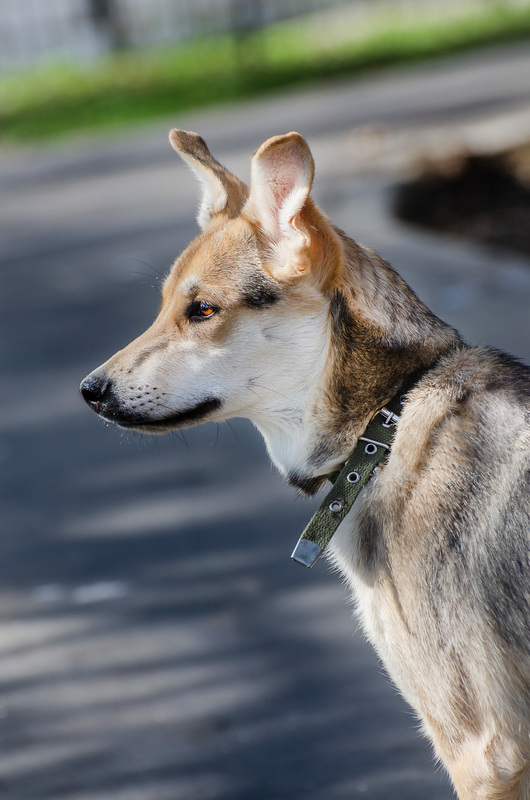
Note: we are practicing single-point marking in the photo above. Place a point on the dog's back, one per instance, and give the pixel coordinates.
(442, 563)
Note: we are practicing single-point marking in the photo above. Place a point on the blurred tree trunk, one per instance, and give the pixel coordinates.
(247, 19)
(107, 18)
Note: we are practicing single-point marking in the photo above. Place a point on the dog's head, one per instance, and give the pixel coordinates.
(243, 325)
(273, 314)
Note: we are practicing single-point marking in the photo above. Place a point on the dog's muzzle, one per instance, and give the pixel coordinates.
(100, 394)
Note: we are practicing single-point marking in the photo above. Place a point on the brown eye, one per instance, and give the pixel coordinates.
(199, 310)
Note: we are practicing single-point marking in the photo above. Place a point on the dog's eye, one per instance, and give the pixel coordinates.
(199, 310)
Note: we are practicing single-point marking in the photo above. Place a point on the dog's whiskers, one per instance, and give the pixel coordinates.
(217, 427)
(233, 431)
(159, 276)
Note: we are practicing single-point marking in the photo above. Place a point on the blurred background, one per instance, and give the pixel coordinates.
(156, 641)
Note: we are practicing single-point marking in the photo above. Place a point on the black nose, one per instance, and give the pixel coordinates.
(93, 388)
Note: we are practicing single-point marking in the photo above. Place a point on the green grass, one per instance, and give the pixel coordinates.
(137, 85)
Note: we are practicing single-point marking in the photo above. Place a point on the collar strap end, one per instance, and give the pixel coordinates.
(306, 552)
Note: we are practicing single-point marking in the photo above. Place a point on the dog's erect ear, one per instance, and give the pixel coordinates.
(222, 191)
(281, 175)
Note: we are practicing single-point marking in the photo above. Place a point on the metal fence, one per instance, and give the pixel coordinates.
(35, 30)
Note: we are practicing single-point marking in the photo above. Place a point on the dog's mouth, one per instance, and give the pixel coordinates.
(189, 416)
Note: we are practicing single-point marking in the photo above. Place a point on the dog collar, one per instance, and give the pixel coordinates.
(371, 450)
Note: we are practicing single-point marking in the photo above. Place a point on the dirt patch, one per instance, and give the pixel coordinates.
(486, 198)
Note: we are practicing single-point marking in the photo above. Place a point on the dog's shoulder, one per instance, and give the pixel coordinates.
(478, 394)
(463, 469)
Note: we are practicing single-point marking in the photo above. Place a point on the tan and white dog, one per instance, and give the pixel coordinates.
(274, 314)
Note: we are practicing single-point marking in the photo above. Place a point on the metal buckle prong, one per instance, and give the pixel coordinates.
(390, 417)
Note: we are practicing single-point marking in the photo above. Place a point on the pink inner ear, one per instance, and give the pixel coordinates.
(284, 169)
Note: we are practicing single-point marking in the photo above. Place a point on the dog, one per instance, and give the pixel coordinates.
(274, 314)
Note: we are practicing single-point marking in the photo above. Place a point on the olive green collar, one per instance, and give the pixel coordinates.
(371, 450)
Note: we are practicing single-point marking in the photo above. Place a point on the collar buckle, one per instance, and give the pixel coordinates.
(390, 418)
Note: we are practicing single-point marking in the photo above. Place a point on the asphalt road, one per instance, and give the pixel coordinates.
(156, 641)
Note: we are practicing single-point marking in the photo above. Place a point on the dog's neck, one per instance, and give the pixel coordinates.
(293, 446)
(374, 343)
(292, 421)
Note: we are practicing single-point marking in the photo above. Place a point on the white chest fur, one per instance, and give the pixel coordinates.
(375, 599)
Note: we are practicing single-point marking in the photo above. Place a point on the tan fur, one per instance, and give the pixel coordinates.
(274, 314)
